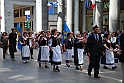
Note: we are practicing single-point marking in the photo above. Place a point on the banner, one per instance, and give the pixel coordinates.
(87, 4)
(51, 6)
(66, 30)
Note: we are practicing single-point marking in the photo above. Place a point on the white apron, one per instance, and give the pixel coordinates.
(44, 53)
(80, 56)
(57, 57)
(68, 54)
(25, 51)
(109, 57)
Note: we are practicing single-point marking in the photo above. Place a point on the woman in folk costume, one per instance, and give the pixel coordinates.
(31, 44)
(25, 47)
(43, 55)
(55, 48)
(109, 52)
(78, 51)
(68, 44)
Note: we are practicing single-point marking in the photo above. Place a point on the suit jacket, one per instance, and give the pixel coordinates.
(121, 58)
(94, 47)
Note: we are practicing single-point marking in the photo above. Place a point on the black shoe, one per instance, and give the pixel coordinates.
(32, 58)
(114, 67)
(4, 57)
(77, 68)
(57, 68)
(54, 69)
(39, 64)
(68, 65)
(46, 66)
(97, 76)
(89, 73)
(105, 67)
(13, 59)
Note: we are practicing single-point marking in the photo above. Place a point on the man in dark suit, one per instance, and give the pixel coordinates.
(121, 58)
(94, 49)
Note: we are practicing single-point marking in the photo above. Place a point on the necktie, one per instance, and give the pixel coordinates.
(97, 38)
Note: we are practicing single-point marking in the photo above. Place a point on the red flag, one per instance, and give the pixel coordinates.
(93, 4)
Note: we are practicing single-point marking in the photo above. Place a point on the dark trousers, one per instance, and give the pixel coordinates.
(94, 63)
(12, 49)
(12, 55)
(4, 49)
(31, 51)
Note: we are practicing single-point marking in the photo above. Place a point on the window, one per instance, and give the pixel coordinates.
(26, 10)
(16, 13)
(55, 10)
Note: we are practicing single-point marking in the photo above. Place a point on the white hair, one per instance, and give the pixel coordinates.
(77, 33)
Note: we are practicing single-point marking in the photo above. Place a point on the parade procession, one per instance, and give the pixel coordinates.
(61, 41)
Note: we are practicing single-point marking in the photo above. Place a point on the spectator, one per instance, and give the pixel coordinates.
(113, 39)
(5, 43)
(121, 58)
(118, 37)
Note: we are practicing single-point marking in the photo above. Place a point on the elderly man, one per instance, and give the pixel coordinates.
(121, 58)
(94, 48)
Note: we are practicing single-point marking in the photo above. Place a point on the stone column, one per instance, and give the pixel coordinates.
(76, 15)
(114, 15)
(38, 15)
(69, 14)
(44, 15)
(9, 15)
(60, 15)
(2, 7)
(84, 18)
(99, 14)
(41, 15)
(34, 18)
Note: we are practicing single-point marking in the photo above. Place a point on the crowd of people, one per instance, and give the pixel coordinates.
(98, 46)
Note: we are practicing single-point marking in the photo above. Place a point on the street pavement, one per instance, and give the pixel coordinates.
(18, 72)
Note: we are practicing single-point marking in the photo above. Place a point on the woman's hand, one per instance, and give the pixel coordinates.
(83, 41)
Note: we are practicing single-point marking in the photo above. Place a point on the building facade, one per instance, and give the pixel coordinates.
(73, 12)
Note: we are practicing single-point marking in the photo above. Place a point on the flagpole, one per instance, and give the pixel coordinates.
(94, 10)
(94, 13)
